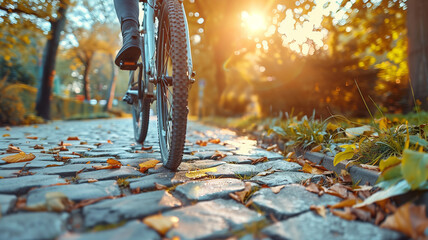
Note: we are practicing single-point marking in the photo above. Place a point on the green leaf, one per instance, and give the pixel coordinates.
(391, 161)
(278, 130)
(395, 190)
(345, 155)
(415, 139)
(414, 167)
(390, 173)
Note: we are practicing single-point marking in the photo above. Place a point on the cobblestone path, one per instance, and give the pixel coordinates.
(111, 203)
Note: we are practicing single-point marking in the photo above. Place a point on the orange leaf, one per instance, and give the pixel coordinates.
(408, 219)
(148, 164)
(258, 160)
(272, 148)
(114, 163)
(73, 139)
(6, 135)
(88, 162)
(20, 157)
(34, 138)
(316, 148)
(240, 196)
(146, 148)
(13, 149)
(109, 141)
(38, 147)
(320, 210)
(313, 170)
(218, 155)
(162, 224)
(313, 188)
(214, 140)
(201, 143)
(53, 165)
(347, 214)
(345, 203)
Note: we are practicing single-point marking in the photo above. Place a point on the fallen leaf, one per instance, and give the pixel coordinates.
(20, 157)
(83, 143)
(258, 160)
(161, 224)
(345, 203)
(92, 180)
(240, 196)
(88, 162)
(313, 170)
(201, 143)
(32, 137)
(78, 154)
(277, 189)
(159, 186)
(290, 155)
(214, 140)
(320, 210)
(148, 164)
(313, 188)
(317, 148)
(53, 165)
(98, 144)
(146, 148)
(408, 219)
(13, 149)
(6, 135)
(218, 155)
(272, 148)
(112, 163)
(200, 173)
(361, 214)
(370, 167)
(65, 144)
(346, 214)
(109, 141)
(338, 190)
(73, 139)
(38, 147)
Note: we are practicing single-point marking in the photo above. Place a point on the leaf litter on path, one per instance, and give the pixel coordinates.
(20, 157)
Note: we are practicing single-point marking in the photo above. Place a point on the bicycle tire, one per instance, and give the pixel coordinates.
(172, 83)
(140, 106)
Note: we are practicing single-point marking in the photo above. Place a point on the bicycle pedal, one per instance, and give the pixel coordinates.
(127, 99)
(128, 65)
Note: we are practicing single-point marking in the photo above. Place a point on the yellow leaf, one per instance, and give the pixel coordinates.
(313, 170)
(200, 173)
(6, 135)
(391, 161)
(148, 164)
(162, 224)
(20, 157)
(383, 124)
(345, 155)
(332, 127)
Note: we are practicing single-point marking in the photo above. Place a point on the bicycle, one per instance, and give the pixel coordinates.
(164, 73)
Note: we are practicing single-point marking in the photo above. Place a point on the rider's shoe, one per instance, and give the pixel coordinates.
(130, 52)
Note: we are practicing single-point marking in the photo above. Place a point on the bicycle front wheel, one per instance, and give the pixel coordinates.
(172, 82)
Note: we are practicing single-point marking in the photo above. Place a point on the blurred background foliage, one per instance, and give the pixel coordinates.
(252, 57)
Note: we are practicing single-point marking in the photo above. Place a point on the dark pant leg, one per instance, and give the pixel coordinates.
(126, 10)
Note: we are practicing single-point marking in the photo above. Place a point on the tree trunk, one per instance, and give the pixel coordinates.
(86, 86)
(417, 30)
(112, 87)
(49, 58)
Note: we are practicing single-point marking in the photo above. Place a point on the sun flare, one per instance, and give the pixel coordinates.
(254, 22)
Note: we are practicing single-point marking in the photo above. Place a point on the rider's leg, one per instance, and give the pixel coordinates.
(127, 13)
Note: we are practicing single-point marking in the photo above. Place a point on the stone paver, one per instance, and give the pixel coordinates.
(22, 184)
(215, 219)
(210, 189)
(130, 231)
(76, 192)
(129, 207)
(290, 201)
(39, 225)
(311, 226)
(118, 199)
